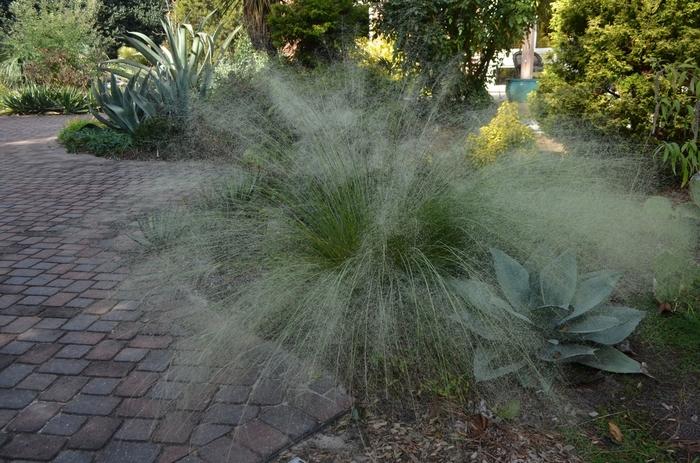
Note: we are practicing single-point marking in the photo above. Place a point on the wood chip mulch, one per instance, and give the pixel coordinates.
(456, 438)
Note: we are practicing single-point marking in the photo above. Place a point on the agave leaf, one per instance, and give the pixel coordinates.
(477, 326)
(484, 371)
(120, 71)
(126, 73)
(628, 319)
(610, 359)
(513, 279)
(590, 324)
(227, 43)
(208, 17)
(565, 352)
(593, 289)
(481, 296)
(147, 47)
(558, 280)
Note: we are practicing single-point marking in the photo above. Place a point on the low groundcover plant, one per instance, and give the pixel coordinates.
(339, 241)
(89, 136)
(39, 99)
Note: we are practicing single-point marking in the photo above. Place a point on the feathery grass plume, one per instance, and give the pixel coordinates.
(341, 243)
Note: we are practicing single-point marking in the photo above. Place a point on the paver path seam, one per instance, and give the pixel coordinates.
(83, 376)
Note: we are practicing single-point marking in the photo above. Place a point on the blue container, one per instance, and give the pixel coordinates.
(518, 89)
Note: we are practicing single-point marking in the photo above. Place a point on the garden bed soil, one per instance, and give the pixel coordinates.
(433, 436)
(658, 417)
(665, 405)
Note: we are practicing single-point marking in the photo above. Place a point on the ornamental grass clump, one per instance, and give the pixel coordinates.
(341, 243)
(40, 99)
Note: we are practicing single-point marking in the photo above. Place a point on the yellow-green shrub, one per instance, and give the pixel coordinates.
(3, 91)
(503, 133)
(379, 53)
(131, 54)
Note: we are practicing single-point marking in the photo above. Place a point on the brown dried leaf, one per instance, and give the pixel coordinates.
(615, 432)
(479, 423)
(665, 308)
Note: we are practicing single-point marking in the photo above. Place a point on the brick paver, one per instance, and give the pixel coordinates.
(86, 374)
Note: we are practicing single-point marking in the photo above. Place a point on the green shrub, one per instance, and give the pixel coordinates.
(317, 30)
(226, 196)
(677, 282)
(677, 276)
(38, 99)
(117, 17)
(4, 91)
(677, 118)
(83, 135)
(248, 108)
(443, 37)
(154, 133)
(10, 71)
(242, 62)
(54, 42)
(606, 52)
(505, 132)
(380, 54)
(343, 251)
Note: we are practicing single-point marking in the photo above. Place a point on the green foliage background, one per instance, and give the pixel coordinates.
(442, 36)
(606, 51)
(54, 42)
(117, 17)
(319, 28)
(228, 14)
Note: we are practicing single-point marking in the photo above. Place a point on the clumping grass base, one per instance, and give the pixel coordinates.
(354, 208)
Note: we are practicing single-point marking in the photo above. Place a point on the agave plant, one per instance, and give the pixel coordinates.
(184, 63)
(124, 107)
(136, 91)
(568, 311)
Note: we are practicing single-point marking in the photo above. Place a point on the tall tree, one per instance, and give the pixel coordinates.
(455, 37)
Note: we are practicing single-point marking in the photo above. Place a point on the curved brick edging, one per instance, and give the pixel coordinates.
(85, 373)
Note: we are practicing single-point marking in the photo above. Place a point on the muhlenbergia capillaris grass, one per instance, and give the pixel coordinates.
(353, 209)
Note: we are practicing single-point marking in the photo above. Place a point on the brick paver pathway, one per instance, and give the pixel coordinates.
(84, 373)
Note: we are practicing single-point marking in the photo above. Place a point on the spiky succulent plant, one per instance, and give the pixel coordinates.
(123, 107)
(569, 313)
(136, 91)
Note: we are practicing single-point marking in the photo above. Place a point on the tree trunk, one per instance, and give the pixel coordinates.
(528, 64)
(255, 14)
